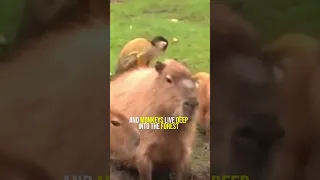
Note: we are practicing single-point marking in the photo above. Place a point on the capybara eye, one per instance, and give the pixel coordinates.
(169, 79)
(115, 123)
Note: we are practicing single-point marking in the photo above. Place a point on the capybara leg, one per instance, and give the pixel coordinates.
(144, 165)
(179, 171)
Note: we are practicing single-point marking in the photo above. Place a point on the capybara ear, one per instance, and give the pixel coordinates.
(115, 123)
(159, 66)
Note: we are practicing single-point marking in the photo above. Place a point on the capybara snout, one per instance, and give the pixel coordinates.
(191, 103)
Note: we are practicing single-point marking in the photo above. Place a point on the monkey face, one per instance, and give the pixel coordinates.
(160, 42)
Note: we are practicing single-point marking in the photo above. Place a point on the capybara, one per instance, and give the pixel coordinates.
(12, 167)
(291, 50)
(124, 139)
(298, 156)
(54, 100)
(140, 52)
(245, 126)
(203, 93)
(166, 90)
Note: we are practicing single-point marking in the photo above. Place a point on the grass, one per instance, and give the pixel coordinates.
(152, 18)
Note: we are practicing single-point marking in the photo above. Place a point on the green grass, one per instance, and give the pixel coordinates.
(152, 18)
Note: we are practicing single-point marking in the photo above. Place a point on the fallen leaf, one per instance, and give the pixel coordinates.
(174, 20)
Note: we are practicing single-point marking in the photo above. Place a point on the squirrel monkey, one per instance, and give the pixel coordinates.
(140, 52)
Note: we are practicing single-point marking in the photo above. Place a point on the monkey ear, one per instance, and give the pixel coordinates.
(159, 66)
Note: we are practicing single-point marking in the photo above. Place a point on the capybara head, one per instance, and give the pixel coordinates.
(124, 138)
(176, 88)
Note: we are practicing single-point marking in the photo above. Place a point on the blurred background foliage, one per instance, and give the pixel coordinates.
(10, 18)
(271, 17)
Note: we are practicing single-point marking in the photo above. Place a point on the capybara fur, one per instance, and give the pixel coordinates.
(124, 139)
(245, 126)
(140, 52)
(299, 98)
(54, 100)
(165, 90)
(203, 93)
(291, 50)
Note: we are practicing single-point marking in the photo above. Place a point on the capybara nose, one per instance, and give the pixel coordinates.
(191, 102)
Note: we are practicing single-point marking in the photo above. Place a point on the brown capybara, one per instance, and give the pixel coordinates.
(140, 52)
(245, 126)
(165, 90)
(124, 139)
(13, 167)
(203, 93)
(298, 156)
(54, 104)
(291, 50)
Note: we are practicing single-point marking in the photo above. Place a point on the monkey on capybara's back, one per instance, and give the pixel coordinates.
(124, 139)
(203, 93)
(140, 52)
(166, 90)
